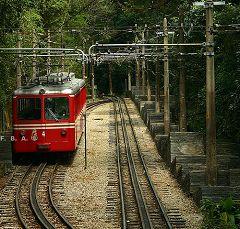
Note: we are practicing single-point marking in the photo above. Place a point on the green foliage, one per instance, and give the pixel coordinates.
(227, 62)
(54, 12)
(30, 20)
(227, 75)
(78, 23)
(222, 215)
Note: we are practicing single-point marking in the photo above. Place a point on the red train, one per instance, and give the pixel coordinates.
(48, 114)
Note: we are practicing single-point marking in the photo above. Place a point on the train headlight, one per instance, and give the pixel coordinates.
(63, 132)
(41, 91)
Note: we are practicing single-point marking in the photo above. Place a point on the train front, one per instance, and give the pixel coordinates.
(43, 121)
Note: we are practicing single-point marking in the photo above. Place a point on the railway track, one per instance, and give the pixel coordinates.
(35, 205)
(30, 198)
(7, 197)
(140, 205)
(98, 103)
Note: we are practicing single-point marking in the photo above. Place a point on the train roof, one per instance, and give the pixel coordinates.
(55, 83)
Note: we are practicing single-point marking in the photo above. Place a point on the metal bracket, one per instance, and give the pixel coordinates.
(208, 53)
(160, 33)
(165, 56)
(209, 4)
(210, 30)
(209, 44)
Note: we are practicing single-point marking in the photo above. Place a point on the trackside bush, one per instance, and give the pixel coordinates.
(222, 215)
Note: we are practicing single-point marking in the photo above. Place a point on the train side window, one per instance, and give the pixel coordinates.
(29, 109)
(56, 108)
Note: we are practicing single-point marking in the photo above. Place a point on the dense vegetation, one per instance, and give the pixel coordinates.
(80, 23)
(222, 215)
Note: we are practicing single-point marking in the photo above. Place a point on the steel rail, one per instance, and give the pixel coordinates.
(59, 214)
(17, 199)
(144, 215)
(34, 200)
(120, 174)
(161, 207)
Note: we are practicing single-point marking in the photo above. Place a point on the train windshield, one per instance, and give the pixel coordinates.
(56, 108)
(29, 109)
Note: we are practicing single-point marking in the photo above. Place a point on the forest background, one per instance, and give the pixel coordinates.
(81, 23)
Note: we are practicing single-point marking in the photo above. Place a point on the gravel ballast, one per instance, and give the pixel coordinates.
(86, 192)
(86, 189)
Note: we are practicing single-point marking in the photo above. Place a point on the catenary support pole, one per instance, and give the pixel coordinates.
(129, 79)
(63, 56)
(182, 72)
(49, 58)
(92, 80)
(144, 63)
(138, 72)
(125, 86)
(85, 136)
(166, 81)
(110, 78)
(149, 95)
(210, 99)
(83, 69)
(19, 72)
(157, 87)
(34, 59)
